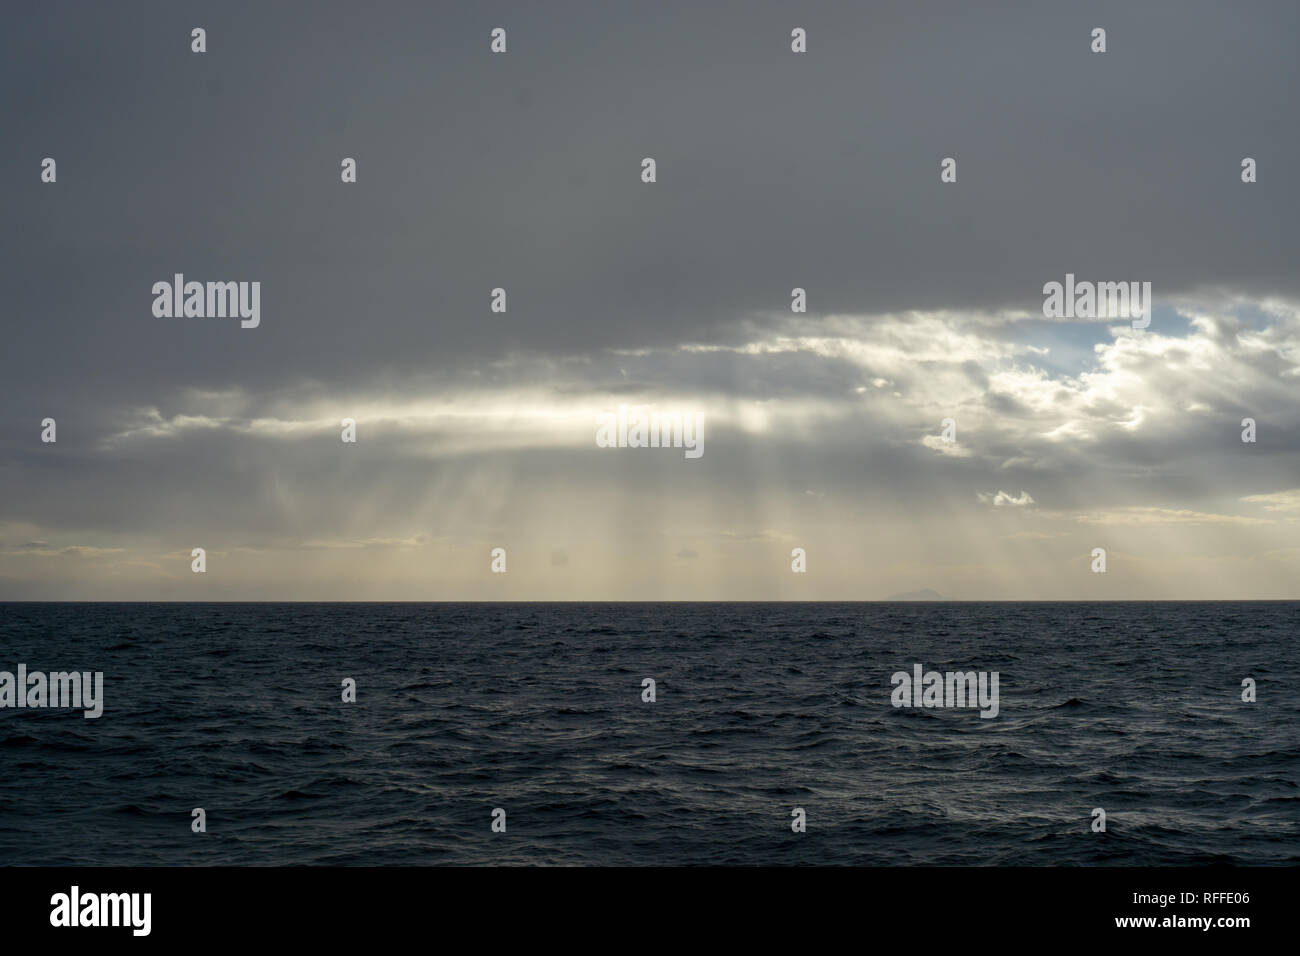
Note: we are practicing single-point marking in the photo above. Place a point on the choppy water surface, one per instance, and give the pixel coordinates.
(536, 708)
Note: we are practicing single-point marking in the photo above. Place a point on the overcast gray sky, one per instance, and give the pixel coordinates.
(775, 170)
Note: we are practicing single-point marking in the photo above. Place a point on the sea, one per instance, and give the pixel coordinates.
(525, 734)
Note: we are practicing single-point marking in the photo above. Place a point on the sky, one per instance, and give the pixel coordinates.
(774, 170)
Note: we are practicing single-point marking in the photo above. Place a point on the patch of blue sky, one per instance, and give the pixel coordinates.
(1071, 346)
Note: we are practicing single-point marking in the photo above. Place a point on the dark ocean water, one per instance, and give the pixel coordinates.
(536, 708)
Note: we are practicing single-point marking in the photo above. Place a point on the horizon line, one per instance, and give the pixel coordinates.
(707, 601)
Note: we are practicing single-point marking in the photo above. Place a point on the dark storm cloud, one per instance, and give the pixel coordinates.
(522, 171)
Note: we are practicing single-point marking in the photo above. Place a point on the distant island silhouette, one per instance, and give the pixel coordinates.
(925, 594)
